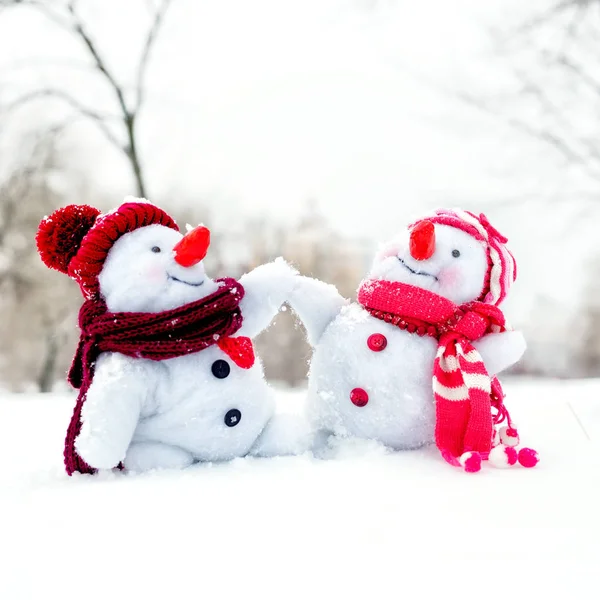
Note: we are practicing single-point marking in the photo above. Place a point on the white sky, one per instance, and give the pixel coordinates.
(264, 104)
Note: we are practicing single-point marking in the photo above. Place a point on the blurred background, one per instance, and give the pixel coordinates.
(310, 129)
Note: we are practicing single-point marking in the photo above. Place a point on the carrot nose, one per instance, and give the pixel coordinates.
(192, 247)
(422, 240)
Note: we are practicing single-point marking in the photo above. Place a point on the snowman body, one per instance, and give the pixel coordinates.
(371, 379)
(200, 406)
(204, 404)
(392, 369)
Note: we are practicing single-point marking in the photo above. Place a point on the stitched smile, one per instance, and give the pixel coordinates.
(417, 272)
(185, 282)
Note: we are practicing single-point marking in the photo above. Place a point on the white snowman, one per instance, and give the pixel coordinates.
(165, 366)
(414, 360)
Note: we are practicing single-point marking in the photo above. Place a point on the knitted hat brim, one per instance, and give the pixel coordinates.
(86, 265)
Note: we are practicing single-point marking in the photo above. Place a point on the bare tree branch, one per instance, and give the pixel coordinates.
(98, 60)
(42, 7)
(33, 299)
(128, 109)
(577, 70)
(150, 39)
(560, 7)
(558, 143)
(576, 20)
(559, 39)
(99, 119)
(550, 107)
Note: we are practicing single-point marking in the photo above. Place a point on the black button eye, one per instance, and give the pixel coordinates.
(232, 417)
(456, 253)
(220, 369)
(155, 249)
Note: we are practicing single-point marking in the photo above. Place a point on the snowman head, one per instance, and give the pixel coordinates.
(452, 253)
(134, 257)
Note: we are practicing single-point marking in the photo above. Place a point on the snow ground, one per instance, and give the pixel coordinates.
(367, 524)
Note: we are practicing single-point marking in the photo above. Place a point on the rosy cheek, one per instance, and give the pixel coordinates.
(450, 277)
(155, 273)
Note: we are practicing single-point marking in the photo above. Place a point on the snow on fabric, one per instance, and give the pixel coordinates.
(502, 269)
(375, 363)
(165, 367)
(155, 336)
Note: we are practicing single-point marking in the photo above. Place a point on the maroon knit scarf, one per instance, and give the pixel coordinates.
(155, 336)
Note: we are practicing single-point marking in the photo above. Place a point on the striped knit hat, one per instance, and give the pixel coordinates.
(76, 239)
(502, 270)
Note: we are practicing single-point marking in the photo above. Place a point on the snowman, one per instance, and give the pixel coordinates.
(415, 360)
(165, 366)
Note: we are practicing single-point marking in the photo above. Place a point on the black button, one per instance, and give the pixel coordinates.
(232, 417)
(220, 369)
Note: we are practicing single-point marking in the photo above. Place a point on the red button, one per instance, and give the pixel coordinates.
(359, 397)
(377, 342)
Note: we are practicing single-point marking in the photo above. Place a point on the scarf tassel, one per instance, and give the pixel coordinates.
(504, 452)
(469, 403)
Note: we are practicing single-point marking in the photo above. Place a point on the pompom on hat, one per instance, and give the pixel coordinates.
(76, 239)
(502, 269)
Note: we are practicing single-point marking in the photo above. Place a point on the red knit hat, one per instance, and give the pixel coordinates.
(502, 269)
(76, 239)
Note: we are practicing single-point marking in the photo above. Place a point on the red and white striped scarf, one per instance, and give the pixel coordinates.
(464, 392)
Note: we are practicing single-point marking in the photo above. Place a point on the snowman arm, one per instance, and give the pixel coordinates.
(500, 350)
(317, 304)
(266, 289)
(111, 410)
(285, 434)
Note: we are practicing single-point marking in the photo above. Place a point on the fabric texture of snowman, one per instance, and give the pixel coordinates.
(165, 365)
(415, 360)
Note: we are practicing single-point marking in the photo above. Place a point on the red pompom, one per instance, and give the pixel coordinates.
(471, 462)
(503, 456)
(528, 457)
(422, 240)
(59, 235)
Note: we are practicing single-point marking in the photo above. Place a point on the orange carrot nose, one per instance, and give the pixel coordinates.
(422, 240)
(192, 247)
